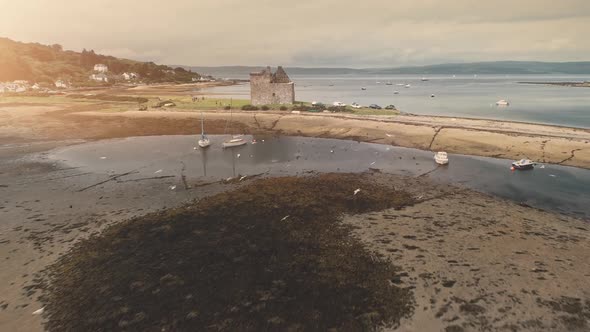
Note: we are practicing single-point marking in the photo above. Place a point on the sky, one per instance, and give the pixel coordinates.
(308, 33)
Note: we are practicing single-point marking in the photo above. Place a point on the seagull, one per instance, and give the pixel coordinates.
(158, 171)
(172, 187)
(243, 177)
(388, 135)
(238, 155)
(38, 312)
(285, 218)
(331, 151)
(373, 163)
(103, 157)
(356, 192)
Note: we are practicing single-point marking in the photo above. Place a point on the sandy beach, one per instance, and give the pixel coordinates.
(470, 261)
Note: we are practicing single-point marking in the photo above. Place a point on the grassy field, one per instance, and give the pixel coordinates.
(182, 103)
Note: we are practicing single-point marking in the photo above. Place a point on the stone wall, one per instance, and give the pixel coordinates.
(264, 91)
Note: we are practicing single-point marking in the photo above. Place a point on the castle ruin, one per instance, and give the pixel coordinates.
(267, 88)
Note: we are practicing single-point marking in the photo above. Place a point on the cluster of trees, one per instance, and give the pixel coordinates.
(47, 63)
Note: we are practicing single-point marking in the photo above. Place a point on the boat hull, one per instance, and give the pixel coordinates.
(204, 143)
(441, 161)
(232, 144)
(522, 167)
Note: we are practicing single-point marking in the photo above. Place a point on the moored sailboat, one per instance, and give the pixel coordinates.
(204, 141)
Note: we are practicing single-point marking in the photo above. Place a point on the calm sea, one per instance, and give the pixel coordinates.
(461, 96)
(551, 187)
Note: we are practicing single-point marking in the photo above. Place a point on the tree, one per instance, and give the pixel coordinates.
(57, 47)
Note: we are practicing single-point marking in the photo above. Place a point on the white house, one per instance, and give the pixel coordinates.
(16, 86)
(99, 67)
(61, 84)
(99, 77)
(129, 76)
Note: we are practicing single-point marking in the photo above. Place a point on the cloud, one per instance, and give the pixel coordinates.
(309, 32)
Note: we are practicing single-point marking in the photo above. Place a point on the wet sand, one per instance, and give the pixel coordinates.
(473, 262)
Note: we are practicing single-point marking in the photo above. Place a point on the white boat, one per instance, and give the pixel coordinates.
(523, 164)
(236, 140)
(424, 79)
(204, 141)
(502, 102)
(396, 92)
(441, 158)
(407, 86)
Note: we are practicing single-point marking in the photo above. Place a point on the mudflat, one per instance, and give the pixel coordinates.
(403, 253)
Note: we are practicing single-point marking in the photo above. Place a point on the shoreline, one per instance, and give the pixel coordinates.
(62, 119)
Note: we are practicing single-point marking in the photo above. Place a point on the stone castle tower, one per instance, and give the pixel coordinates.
(267, 88)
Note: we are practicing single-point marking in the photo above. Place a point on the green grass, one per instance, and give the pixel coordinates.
(186, 103)
(58, 99)
(369, 111)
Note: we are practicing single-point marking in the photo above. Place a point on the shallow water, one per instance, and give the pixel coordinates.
(557, 188)
(461, 96)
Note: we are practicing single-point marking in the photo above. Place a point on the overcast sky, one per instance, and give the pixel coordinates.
(327, 33)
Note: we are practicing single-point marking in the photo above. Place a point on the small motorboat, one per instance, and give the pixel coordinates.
(388, 83)
(523, 164)
(407, 86)
(502, 102)
(424, 79)
(432, 95)
(441, 158)
(396, 92)
(363, 88)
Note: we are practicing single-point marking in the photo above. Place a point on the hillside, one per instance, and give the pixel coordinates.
(46, 63)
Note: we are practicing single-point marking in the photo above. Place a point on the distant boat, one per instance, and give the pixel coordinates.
(396, 92)
(400, 84)
(204, 141)
(523, 164)
(363, 88)
(432, 95)
(502, 102)
(424, 79)
(441, 158)
(407, 86)
(236, 140)
(388, 83)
